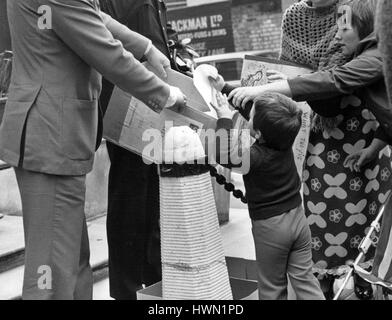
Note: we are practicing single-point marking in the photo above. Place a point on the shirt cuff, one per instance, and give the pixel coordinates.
(173, 97)
(224, 123)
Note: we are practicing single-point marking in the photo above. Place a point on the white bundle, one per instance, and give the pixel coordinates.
(193, 261)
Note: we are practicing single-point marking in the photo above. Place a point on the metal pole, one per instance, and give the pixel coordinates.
(363, 247)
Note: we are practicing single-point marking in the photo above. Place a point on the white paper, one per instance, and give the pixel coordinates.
(203, 85)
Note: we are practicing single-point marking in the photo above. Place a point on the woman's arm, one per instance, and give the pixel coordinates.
(240, 97)
(361, 158)
(362, 71)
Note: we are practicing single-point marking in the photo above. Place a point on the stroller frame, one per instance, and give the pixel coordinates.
(363, 247)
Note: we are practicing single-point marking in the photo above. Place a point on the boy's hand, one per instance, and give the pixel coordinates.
(274, 75)
(222, 109)
(218, 83)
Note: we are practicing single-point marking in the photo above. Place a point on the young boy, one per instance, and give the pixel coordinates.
(279, 226)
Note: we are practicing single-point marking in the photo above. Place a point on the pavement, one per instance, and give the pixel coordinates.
(236, 236)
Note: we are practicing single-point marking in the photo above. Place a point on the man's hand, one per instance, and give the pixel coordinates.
(176, 98)
(158, 61)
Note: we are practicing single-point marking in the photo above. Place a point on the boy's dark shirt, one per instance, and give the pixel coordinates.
(272, 183)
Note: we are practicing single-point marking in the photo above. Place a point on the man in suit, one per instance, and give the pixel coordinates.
(133, 193)
(49, 130)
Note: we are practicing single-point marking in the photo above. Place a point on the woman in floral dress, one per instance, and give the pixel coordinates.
(340, 204)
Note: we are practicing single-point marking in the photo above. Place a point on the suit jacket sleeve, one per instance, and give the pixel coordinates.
(360, 72)
(132, 41)
(83, 29)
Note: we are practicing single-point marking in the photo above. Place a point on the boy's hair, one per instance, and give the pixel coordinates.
(278, 118)
(363, 15)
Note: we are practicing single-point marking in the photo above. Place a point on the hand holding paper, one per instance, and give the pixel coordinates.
(176, 99)
(201, 79)
(241, 96)
(274, 75)
(222, 107)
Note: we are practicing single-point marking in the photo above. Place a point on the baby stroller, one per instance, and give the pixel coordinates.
(381, 275)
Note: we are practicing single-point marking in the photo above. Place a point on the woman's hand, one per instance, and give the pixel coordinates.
(274, 75)
(241, 96)
(223, 108)
(359, 159)
(218, 83)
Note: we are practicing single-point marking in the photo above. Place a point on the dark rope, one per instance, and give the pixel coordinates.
(229, 187)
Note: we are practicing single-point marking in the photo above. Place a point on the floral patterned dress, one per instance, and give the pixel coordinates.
(340, 204)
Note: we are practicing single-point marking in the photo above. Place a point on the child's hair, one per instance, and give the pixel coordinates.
(363, 15)
(278, 118)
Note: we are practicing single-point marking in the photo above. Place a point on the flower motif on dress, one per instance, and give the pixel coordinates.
(334, 186)
(373, 184)
(356, 184)
(371, 124)
(385, 152)
(373, 208)
(336, 244)
(316, 214)
(335, 133)
(333, 156)
(314, 155)
(335, 215)
(383, 197)
(355, 241)
(385, 174)
(350, 149)
(373, 237)
(316, 243)
(352, 124)
(350, 100)
(356, 215)
(316, 185)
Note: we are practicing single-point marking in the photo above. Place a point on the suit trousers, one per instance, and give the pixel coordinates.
(57, 246)
(283, 250)
(132, 224)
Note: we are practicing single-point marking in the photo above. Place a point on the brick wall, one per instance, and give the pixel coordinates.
(257, 24)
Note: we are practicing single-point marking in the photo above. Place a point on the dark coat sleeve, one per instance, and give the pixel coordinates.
(362, 71)
(363, 76)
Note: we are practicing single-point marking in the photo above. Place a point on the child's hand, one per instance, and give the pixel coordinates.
(218, 83)
(222, 109)
(274, 75)
(359, 159)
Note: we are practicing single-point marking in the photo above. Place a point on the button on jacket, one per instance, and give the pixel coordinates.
(50, 121)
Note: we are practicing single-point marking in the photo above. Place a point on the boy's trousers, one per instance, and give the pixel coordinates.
(57, 246)
(283, 250)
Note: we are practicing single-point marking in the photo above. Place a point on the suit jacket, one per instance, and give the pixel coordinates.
(50, 121)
